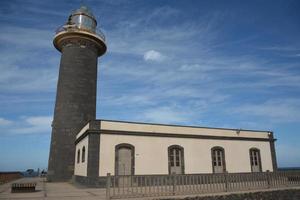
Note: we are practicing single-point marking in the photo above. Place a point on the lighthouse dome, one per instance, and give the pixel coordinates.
(83, 18)
(83, 10)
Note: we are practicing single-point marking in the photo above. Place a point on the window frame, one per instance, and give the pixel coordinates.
(254, 149)
(83, 154)
(78, 156)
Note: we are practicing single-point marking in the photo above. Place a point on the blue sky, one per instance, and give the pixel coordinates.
(210, 63)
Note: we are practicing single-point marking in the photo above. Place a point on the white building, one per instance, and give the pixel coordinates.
(129, 148)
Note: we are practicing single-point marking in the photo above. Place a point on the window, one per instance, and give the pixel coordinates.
(176, 159)
(255, 160)
(218, 160)
(78, 156)
(83, 154)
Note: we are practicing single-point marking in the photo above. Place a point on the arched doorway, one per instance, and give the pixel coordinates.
(124, 164)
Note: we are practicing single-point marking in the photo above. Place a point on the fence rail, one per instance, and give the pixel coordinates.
(169, 185)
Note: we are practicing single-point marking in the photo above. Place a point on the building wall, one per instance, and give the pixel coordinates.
(171, 129)
(81, 167)
(151, 155)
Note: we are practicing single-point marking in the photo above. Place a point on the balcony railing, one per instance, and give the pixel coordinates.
(76, 28)
(168, 185)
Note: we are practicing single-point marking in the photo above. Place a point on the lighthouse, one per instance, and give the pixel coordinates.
(80, 44)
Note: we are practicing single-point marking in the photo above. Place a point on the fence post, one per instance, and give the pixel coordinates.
(268, 179)
(174, 182)
(226, 181)
(108, 184)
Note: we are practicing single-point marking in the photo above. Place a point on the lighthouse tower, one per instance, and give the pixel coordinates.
(80, 45)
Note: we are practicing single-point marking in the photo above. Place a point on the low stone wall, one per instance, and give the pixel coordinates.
(9, 176)
(289, 194)
(98, 182)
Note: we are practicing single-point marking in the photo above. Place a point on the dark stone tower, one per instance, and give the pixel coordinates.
(80, 45)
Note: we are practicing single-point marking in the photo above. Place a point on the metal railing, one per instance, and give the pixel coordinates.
(76, 28)
(169, 185)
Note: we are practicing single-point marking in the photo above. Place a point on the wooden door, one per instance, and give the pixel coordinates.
(124, 166)
(124, 161)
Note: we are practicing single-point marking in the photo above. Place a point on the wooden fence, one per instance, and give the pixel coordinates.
(169, 185)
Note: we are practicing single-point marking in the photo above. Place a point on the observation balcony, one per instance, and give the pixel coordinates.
(76, 28)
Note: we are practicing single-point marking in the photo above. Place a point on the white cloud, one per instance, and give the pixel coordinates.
(4, 122)
(21, 70)
(39, 120)
(22, 37)
(128, 99)
(192, 67)
(163, 12)
(286, 110)
(18, 80)
(280, 48)
(22, 65)
(197, 67)
(153, 55)
(28, 125)
(165, 115)
(35, 125)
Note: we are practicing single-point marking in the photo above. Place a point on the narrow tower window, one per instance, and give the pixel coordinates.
(83, 154)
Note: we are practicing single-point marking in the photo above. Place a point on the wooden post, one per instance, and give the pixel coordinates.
(108, 184)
